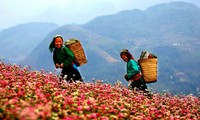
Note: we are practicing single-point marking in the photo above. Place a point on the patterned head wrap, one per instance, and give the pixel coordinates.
(127, 53)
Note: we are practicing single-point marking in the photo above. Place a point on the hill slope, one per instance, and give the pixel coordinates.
(171, 31)
(168, 30)
(37, 95)
(17, 42)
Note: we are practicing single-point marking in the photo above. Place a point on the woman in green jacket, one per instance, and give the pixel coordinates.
(64, 58)
(133, 75)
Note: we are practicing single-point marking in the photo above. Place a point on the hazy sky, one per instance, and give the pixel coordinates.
(13, 12)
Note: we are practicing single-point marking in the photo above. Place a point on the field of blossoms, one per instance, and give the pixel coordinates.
(29, 95)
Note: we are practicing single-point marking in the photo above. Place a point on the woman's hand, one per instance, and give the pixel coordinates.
(126, 76)
(61, 65)
(57, 65)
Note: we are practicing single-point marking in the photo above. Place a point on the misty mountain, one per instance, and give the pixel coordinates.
(156, 22)
(18, 41)
(168, 30)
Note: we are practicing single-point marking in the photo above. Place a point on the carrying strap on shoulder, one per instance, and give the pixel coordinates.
(138, 67)
(75, 61)
(64, 52)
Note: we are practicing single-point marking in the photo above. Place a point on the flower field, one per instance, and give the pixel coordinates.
(37, 95)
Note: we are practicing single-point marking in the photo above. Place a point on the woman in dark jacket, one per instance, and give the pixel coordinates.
(64, 58)
(133, 75)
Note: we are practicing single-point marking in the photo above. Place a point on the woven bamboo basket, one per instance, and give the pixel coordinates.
(149, 69)
(75, 46)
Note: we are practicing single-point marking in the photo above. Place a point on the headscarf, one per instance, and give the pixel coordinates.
(127, 53)
(52, 44)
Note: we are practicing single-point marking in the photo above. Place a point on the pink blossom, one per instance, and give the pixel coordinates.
(79, 108)
(68, 118)
(93, 116)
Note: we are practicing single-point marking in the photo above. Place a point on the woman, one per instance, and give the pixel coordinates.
(133, 75)
(64, 58)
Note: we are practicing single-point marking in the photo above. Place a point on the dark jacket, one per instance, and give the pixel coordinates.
(133, 71)
(63, 55)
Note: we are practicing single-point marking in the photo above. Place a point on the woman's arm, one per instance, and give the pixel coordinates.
(69, 57)
(132, 69)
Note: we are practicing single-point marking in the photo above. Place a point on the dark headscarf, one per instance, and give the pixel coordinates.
(52, 44)
(127, 53)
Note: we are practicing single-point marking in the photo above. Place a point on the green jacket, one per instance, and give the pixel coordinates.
(63, 55)
(132, 68)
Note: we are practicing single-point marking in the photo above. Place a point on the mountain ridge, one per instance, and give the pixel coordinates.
(23, 38)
